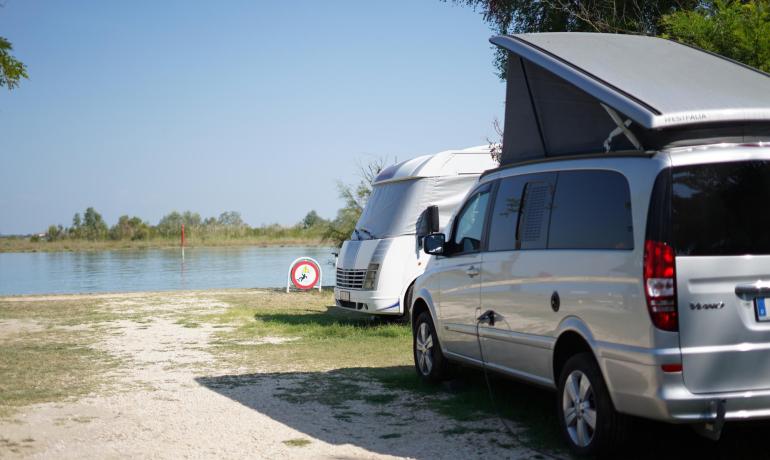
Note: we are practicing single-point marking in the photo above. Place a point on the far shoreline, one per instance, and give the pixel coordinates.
(24, 245)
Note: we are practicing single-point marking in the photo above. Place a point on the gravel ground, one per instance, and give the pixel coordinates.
(172, 399)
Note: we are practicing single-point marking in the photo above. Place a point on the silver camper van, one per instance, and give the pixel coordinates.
(621, 253)
(378, 264)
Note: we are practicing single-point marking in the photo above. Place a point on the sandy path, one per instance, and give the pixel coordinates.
(172, 400)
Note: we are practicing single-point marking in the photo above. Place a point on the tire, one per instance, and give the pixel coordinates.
(582, 386)
(429, 361)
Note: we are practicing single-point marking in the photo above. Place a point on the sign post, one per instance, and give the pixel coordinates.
(305, 274)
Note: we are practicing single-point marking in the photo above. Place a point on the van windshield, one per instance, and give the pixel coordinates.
(721, 209)
(392, 210)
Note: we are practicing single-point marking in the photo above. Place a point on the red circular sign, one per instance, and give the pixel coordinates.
(305, 274)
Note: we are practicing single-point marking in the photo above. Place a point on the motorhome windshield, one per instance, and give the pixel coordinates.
(392, 209)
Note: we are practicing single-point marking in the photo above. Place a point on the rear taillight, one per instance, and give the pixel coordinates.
(660, 285)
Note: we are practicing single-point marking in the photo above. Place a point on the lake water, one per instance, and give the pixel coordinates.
(154, 270)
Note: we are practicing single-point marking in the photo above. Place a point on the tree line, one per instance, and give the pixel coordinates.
(90, 226)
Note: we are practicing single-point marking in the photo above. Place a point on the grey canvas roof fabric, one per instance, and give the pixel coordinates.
(562, 88)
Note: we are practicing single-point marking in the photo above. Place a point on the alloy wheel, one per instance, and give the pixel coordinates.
(579, 408)
(424, 346)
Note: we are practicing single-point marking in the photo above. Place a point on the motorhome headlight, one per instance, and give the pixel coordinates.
(370, 281)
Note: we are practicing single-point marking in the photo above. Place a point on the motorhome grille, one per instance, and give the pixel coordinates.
(350, 279)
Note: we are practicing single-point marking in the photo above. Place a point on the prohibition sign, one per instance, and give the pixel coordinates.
(305, 274)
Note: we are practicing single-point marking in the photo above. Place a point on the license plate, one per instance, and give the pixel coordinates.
(761, 307)
(345, 295)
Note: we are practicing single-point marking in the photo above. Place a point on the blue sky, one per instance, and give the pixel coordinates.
(144, 107)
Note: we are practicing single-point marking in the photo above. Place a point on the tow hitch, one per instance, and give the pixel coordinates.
(713, 428)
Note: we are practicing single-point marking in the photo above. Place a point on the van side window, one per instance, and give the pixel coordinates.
(469, 226)
(505, 215)
(591, 210)
(532, 232)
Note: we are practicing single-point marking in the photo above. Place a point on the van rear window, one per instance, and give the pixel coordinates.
(721, 209)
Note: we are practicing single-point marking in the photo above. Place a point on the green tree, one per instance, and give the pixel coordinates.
(55, 232)
(736, 29)
(11, 69)
(230, 224)
(621, 16)
(354, 197)
(75, 231)
(230, 219)
(170, 224)
(311, 220)
(130, 229)
(191, 219)
(94, 227)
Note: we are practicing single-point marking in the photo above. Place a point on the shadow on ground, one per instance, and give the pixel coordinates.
(388, 411)
(332, 316)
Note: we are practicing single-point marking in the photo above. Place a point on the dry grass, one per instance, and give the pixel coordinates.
(299, 442)
(47, 351)
(49, 366)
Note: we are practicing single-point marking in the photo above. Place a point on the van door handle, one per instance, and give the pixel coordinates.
(472, 271)
(752, 291)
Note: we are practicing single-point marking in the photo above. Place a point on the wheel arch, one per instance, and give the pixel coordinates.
(422, 301)
(574, 337)
(406, 302)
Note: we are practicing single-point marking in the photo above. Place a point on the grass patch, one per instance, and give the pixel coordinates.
(322, 337)
(382, 398)
(49, 366)
(333, 390)
(184, 322)
(51, 356)
(15, 447)
(81, 310)
(299, 442)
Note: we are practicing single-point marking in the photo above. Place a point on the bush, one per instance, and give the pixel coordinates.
(738, 30)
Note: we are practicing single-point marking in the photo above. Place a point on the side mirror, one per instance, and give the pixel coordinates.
(433, 244)
(432, 219)
(427, 223)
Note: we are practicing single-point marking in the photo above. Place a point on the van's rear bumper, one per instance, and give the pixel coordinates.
(640, 387)
(684, 406)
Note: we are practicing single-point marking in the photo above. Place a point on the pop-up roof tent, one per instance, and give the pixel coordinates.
(578, 93)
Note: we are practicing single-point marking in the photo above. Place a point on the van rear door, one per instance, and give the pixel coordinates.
(720, 231)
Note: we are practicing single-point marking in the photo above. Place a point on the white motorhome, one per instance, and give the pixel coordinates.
(377, 266)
